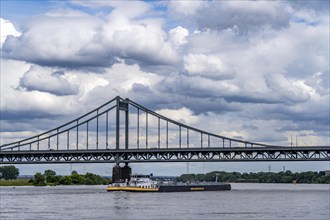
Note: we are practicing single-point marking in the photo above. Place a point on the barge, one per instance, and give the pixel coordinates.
(143, 183)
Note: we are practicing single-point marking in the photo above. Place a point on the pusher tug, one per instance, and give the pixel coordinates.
(143, 183)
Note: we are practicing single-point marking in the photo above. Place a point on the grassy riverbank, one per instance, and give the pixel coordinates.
(17, 182)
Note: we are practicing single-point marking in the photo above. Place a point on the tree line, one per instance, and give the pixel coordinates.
(49, 177)
(260, 177)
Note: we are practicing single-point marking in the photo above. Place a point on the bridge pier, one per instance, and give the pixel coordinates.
(121, 174)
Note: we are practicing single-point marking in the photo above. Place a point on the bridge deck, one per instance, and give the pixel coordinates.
(315, 153)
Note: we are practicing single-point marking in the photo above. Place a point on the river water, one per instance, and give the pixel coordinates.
(244, 201)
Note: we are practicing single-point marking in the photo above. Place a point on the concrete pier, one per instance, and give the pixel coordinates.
(121, 174)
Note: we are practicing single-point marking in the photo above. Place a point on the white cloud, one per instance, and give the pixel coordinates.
(183, 115)
(40, 103)
(317, 83)
(207, 65)
(7, 29)
(285, 90)
(178, 35)
(48, 80)
(55, 39)
(75, 39)
(41, 91)
(185, 7)
(143, 40)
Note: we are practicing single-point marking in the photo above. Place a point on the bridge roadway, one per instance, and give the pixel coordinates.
(214, 154)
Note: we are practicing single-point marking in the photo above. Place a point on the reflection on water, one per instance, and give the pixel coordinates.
(244, 201)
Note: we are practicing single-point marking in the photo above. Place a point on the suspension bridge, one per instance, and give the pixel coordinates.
(122, 131)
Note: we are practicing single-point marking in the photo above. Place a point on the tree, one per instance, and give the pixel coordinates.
(93, 179)
(39, 180)
(51, 176)
(66, 180)
(9, 172)
(74, 172)
(76, 178)
(50, 173)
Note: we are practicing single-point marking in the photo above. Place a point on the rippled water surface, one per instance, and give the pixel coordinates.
(244, 201)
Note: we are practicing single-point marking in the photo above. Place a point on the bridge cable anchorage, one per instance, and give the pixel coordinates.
(101, 136)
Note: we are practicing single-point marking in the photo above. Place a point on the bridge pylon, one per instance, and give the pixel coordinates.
(121, 174)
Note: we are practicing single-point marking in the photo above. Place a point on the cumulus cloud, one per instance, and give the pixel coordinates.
(242, 16)
(207, 65)
(7, 29)
(41, 92)
(55, 39)
(144, 42)
(319, 82)
(198, 87)
(183, 115)
(184, 7)
(179, 36)
(286, 91)
(35, 105)
(75, 39)
(45, 80)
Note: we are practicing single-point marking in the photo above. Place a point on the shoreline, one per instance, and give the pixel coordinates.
(24, 182)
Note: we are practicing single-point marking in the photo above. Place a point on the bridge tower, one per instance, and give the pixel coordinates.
(121, 174)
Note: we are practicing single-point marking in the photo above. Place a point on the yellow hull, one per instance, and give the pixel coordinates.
(131, 189)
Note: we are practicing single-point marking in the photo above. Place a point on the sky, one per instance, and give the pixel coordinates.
(251, 70)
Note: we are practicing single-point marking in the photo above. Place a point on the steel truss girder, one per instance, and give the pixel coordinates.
(166, 155)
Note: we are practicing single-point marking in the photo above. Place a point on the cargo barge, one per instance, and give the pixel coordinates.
(143, 183)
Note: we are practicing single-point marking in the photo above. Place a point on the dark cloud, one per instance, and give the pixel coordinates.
(316, 5)
(54, 83)
(252, 99)
(139, 88)
(308, 125)
(23, 115)
(19, 49)
(244, 17)
(176, 101)
(250, 127)
(196, 86)
(317, 113)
